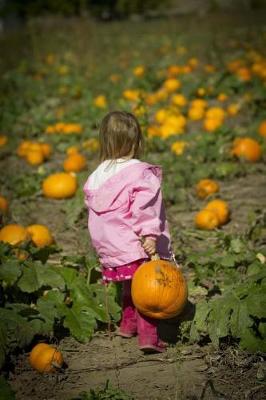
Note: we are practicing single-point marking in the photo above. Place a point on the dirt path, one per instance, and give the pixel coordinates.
(187, 372)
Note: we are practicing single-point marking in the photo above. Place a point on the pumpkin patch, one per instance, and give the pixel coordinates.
(197, 84)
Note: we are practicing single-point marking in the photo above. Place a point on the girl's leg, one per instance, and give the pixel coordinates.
(148, 338)
(128, 325)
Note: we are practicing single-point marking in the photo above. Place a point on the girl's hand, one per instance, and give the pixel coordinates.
(149, 245)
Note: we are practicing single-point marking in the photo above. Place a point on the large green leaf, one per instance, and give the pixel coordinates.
(35, 275)
(256, 302)
(48, 307)
(251, 342)
(199, 324)
(10, 271)
(240, 319)
(20, 331)
(219, 317)
(80, 321)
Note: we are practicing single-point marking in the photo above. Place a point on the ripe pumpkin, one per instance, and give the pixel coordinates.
(262, 128)
(34, 157)
(60, 185)
(247, 148)
(3, 205)
(75, 162)
(159, 289)
(40, 235)
(45, 358)
(205, 187)
(13, 234)
(206, 219)
(220, 208)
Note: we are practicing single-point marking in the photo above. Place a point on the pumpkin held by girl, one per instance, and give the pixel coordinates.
(159, 289)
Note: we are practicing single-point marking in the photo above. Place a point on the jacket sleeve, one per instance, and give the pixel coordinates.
(146, 206)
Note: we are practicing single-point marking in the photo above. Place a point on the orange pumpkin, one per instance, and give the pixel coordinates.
(220, 208)
(205, 187)
(247, 148)
(45, 358)
(40, 235)
(262, 128)
(206, 219)
(3, 205)
(60, 185)
(35, 157)
(75, 162)
(159, 289)
(13, 234)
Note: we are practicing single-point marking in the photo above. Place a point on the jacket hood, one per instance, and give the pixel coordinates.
(107, 197)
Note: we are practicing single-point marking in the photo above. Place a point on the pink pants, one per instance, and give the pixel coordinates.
(133, 322)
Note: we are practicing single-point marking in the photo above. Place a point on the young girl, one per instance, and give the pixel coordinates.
(127, 222)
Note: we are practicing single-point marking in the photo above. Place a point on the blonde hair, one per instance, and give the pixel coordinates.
(119, 135)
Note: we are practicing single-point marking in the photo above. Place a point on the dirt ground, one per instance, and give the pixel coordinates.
(188, 372)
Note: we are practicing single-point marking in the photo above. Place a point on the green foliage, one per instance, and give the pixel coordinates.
(6, 393)
(107, 393)
(235, 300)
(37, 296)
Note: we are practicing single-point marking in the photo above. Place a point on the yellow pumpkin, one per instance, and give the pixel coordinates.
(40, 235)
(159, 289)
(206, 219)
(220, 208)
(13, 234)
(45, 358)
(60, 185)
(3, 205)
(247, 148)
(205, 187)
(75, 162)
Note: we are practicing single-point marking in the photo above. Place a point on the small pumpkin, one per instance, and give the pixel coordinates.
(247, 148)
(75, 162)
(40, 235)
(262, 128)
(45, 358)
(206, 187)
(13, 234)
(3, 205)
(159, 289)
(206, 219)
(221, 209)
(60, 185)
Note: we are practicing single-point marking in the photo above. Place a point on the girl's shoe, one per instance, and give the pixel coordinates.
(159, 347)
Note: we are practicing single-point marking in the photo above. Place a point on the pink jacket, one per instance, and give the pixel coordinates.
(125, 207)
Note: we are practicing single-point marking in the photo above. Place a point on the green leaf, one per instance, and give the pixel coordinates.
(240, 319)
(36, 275)
(80, 321)
(48, 307)
(10, 271)
(199, 324)
(237, 246)
(262, 329)
(229, 260)
(3, 342)
(256, 302)
(219, 317)
(20, 332)
(251, 342)
(6, 393)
